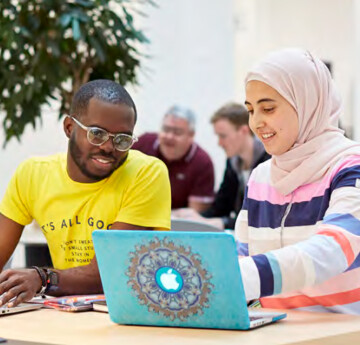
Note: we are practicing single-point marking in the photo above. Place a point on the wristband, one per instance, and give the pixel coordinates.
(43, 278)
(52, 280)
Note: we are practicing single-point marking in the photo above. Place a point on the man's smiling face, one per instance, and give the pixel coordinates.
(88, 163)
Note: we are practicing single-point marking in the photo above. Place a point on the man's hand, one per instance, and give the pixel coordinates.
(20, 284)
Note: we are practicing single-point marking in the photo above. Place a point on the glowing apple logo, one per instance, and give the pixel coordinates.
(169, 279)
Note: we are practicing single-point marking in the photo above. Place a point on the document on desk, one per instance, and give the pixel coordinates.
(70, 303)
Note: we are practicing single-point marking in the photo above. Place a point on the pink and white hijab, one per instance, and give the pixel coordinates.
(305, 82)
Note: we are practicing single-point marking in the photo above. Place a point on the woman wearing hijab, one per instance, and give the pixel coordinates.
(299, 229)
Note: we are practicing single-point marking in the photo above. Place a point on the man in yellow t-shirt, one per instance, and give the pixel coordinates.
(99, 184)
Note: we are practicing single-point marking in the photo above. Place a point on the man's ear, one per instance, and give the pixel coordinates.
(245, 129)
(68, 125)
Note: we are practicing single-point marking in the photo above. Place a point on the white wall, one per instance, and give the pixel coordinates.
(46, 139)
(191, 63)
(325, 27)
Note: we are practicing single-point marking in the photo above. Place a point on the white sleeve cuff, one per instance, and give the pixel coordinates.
(250, 278)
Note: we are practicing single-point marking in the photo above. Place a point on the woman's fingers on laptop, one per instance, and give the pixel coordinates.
(19, 285)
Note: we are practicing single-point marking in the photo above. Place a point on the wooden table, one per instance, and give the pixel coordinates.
(56, 327)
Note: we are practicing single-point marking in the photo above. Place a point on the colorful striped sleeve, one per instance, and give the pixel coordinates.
(333, 249)
(242, 234)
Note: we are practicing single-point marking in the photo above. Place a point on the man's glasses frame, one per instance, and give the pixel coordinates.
(133, 139)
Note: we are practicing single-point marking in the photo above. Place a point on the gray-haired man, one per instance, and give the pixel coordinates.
(190, 168)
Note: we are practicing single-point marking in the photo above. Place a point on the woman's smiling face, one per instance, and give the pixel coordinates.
(272, 118)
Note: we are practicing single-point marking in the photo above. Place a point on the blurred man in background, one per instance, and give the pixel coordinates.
(190, 168)
(244, 152)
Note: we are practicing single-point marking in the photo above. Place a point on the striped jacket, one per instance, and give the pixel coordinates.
(302, 249)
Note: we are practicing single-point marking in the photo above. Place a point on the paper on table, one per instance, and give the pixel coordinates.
(70, 303)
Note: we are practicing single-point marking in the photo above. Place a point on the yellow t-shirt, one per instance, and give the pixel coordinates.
(138, 193)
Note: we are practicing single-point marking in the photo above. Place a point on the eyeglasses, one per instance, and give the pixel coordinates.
(98, 136)
(175, 131)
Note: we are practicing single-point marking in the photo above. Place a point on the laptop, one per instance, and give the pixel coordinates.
(177, 279)
(22, 307)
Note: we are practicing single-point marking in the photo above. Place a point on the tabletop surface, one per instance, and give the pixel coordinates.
(57, 327)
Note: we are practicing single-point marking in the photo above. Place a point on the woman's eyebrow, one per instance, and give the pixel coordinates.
(261, 100)
(265, 100)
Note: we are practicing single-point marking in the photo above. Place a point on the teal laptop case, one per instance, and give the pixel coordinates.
(178, 279)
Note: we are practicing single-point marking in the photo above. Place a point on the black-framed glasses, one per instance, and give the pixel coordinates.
(98, 136)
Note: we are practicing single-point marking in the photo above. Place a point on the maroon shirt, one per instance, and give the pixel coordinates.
(191, 177)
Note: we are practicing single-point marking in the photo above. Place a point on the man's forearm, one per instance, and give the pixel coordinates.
(78, 280)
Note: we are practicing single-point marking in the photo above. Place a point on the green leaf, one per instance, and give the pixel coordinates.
(85, 3)
(25, 32)
(128, 16)
(65, 20)
(76, 29)
(99, 50)
(37, 33)
(141, 37)
(54, 47)
(29, 93)
(80, 15)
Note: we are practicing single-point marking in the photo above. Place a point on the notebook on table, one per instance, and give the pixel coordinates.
(180, 279)
(100, 306)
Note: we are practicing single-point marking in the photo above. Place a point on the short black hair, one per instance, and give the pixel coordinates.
(104, 90)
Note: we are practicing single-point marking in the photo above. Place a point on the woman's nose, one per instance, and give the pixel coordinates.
(258, 119)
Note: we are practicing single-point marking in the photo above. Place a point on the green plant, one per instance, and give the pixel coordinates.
(48, 48)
